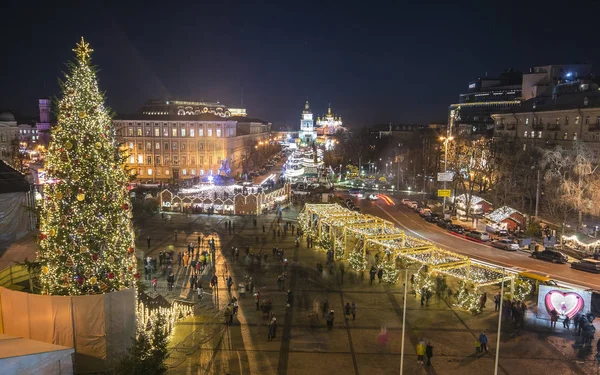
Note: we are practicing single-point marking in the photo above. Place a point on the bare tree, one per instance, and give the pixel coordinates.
(575, 178)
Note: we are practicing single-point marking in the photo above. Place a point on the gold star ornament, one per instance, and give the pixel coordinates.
(83, 50)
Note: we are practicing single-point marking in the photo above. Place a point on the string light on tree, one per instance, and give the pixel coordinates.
(85, 225)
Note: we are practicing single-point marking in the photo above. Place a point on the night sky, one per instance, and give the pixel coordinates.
(375, 62)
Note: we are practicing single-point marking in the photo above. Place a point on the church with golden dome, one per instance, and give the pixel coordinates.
(329, 124)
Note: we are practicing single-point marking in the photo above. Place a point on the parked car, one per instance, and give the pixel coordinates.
(412, 204)
(456, 229)
(587, 264)
(433, 218)
(444, 223)
(502, 233)
(405, 201)
(550, 255)
(481, 236)
(505, 244)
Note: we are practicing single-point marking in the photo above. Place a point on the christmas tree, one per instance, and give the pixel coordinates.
(86, 241)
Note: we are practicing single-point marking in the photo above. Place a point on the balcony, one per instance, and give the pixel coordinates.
(594, 127)
(537, 126)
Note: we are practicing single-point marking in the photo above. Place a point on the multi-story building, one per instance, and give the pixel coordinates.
(9, 136)
(307, 131)
(571, 112)
(189, 108)
(329, 124)
(485, 96)
(177, 147)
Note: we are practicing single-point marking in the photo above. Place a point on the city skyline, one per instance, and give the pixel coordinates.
(274, 58)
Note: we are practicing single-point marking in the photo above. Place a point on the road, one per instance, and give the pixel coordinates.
(414, 225)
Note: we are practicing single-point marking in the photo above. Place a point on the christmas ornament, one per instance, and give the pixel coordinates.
(125, 206)
(42, 236)
(45, 270)
(84, 249)
(98, 145)
(103, 286)
(137, 275)
(94, 257)
(68, 145)
(82, 115)
(93, 280)
(80, 197)
(70, 262)
(131, 250)
(80, 228)
(110, 275)
(59, 195)
(52, 232)
(111, 259)
(80, 280)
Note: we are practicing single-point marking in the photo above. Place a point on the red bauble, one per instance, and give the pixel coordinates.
(80, 280)
(130, 250)
(94, 257)
(42, 236)
(111, 275)
(125, 206)
(137, 275)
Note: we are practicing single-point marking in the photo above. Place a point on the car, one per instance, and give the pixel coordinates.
(550, 255)
(433, 218)
(587, 264)
(424, 212)
(502, 233)
(405, 201)
(356, 193)
(477, 235)
(455, 228)
(505, 244)
(412, 204)
(444, 223)
(373, 197)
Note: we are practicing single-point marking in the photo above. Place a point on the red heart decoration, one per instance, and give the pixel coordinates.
(565, 304)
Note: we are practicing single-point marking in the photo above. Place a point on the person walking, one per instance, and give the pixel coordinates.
(567, 322)
(347, 310)
(154, 282)
(274, 320)
(257, 300)
(171, 280)
(185, 259)
(271, 330)
(421, 348)
(483, 340)
(329, 319)
(353, 310)
(199, 291)
(372, 274)
(229, 283)
(325, 308)
(380, 275)
(148, 241)
(290, 298)
(497, 302)
(553, 318)
(429, 353)
(193, 282)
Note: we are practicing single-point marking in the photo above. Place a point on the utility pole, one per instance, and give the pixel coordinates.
(403, 319)
(537, 194)
(499, 324)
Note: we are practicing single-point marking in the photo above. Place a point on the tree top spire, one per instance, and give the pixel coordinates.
(83, 50)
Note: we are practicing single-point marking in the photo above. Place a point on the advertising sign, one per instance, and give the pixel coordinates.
(443, 193)
(566, 302)
(445, 176)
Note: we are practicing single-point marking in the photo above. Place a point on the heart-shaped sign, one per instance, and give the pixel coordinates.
(565, 304)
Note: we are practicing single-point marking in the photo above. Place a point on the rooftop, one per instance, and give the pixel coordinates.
(188, 118)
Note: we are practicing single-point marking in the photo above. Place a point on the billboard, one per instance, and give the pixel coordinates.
(566, 302)
(443, 193)
(445, 176)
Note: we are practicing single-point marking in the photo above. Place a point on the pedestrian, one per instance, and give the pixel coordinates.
(154, 282)
(185, 259)
(274, 320)
(421, 348)
(229, 283)
(497, 302)
(257, 300)
(179, 258)
(242, 290)
(380, 275)
(567, 322)
(325, 308)
(290, 298)
(148, 240)
(199, 291)
(193, 282)
(483, 340)
(329, 319)
(171, 280)
(353, 310)
(429, 353)
(271, 330)
(347, 310)
(553, 318)
(372, 274)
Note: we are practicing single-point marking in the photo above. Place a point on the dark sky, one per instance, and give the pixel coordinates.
(376, 62)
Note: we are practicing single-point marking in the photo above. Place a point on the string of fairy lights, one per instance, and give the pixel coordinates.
(362, 232)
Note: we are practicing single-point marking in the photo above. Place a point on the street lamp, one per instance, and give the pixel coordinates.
(446, 140)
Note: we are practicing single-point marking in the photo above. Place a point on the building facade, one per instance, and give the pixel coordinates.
(189, 108)
(485, 96)
(570, 113)
(329, 124)
(180, 147)
(307, 132)
(9, 137)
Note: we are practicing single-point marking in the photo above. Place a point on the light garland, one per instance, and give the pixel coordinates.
(86, 239)
(358, 261)
(423, 280)
(390, 272)
(149, 309)
(467, 299)
(501, 214)
(576, 240)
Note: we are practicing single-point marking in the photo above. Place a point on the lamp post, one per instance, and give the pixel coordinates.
(446, 140)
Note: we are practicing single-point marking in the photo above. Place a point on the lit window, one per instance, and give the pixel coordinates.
(148, 159)
(174, 145)
(210, 172)
(574, 136)
(149, 172)
(165, 132)
(157, 132)
(130, 132)
(525, 134)
(193, 172)
(131, 145)
(157, 145)
(183, 145)
(131, 159)
(167, 172)
(566, 136)
(174, 132)
(200, 132)
(192, 132)
(139, 132)
(577, 120)
(201, 172)
(527, 121)
(183, 132)
(140, 159)
(148, 145)
(540, 134)
(209, 132)
(218, 132)
(184, 172)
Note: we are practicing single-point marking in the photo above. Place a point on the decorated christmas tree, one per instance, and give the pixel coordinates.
(86, 240)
